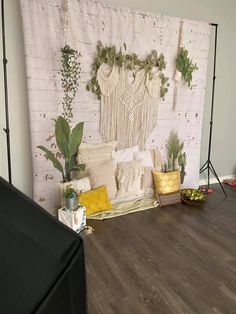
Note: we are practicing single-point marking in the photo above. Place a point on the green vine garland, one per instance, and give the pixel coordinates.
(131, 62)
(185, 66)
(70, 74)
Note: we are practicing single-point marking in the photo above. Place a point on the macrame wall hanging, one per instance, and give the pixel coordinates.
(128, 105)
(129, 90)
(178, 75)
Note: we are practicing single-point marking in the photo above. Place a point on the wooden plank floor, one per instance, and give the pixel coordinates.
(177, 259)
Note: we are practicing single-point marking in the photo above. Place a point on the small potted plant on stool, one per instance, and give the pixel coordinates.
(71, 198)
(73, 214)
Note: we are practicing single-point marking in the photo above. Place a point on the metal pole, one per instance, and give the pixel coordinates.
(6, 129)
(213, 92)
(208, 164)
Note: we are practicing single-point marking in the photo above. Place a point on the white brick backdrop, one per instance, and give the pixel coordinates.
(91, 21)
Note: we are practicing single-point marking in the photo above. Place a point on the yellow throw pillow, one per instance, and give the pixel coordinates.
(95, 200)
(166, 182)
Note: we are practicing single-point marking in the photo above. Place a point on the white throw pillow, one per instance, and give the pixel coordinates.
(157, 160)
(129, 175)
(124, 155)
(147, 179)
(82, 184)
(146, 158)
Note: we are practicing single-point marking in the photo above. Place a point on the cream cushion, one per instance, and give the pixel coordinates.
(157, 160)
(94, 153)
(124, 155)
(129, 175)
(147, 179)
(103, 173)
(145, 156)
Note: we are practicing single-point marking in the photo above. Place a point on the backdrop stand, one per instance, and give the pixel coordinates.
(208, 164)
(6, 129)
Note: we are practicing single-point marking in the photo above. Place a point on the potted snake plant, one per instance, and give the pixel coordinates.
(68, 141)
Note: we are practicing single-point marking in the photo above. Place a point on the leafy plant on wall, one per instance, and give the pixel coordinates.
(131, 62)
(70, 74)
(185, 66)
(68, 141)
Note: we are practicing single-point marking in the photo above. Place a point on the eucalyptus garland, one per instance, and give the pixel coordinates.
(131, 62)
(70, 74)
(185, 66)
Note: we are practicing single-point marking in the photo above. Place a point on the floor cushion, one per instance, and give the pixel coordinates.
(95, 200)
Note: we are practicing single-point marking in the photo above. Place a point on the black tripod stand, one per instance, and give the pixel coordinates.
(208, 164)
(6, 129)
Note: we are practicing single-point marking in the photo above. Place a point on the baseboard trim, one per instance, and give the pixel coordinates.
(214, 180)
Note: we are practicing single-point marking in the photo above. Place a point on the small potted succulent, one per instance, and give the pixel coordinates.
(71, 198)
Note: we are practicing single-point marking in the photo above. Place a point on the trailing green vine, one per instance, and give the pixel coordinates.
(185, 66)
(131, 62)
(70, 74)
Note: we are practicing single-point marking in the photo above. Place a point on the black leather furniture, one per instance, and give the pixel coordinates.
(42, 266)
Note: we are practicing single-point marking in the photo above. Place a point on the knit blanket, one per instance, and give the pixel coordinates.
(125, 208)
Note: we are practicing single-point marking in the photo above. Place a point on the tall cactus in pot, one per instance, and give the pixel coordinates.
(68, 142)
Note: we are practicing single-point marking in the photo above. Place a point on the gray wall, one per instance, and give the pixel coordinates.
(223, 146)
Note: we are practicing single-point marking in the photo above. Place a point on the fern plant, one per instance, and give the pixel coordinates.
(176, 156)
(185, 66)
(174, 148)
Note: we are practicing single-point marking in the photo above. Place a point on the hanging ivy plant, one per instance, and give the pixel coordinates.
(185, 66)
(70, 74)
(131, 62)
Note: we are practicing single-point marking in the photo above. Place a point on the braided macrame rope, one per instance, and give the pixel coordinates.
(66, 23)
(178, 75)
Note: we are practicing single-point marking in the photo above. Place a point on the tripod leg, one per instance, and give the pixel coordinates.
(208, 176)
(203, 167)
(215, 174)
(201, 171)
